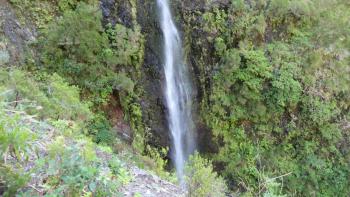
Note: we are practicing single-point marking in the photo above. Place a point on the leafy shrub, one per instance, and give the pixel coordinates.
(100, 129)
(126, 44)
(16, 141)
(79, 35)
(117, 169)
(155, 157)
(273, 189)
(269, 95)
(133, 114)
(51, 92)
(39, 13)
(72, 169)
(77, 48)
(11, 181)
(66, 5)
(201, 180)
(66, 165)
(15, 138)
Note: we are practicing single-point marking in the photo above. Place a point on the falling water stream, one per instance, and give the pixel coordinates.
(177, 91)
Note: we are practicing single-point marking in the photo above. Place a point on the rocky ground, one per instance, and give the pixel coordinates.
(142, 183)
(148, 185)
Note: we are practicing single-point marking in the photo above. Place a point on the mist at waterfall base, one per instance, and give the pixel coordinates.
(177, 91)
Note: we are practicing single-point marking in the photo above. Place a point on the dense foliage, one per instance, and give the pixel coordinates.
(273, 89)
(59, 95)
(50, 92)
(77, 48)
(102, 61)
(279, 93)
(42, 149)
(201, 180)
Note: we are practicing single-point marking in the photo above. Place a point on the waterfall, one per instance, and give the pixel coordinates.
(177, 91)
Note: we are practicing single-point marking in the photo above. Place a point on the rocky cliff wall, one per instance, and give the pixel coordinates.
(14, 36)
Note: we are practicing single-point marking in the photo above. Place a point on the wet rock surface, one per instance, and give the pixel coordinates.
(152, 102)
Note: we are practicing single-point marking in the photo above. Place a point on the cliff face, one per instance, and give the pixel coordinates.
(149, 81)
(14, 37)
(152, 100)
(200, 57)
(188, 15)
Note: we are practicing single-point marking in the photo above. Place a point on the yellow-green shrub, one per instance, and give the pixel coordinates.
(201, 180)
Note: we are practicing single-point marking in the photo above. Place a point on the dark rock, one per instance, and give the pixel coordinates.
(15, 37)
(152, 100)
(116, 12)
(107, 7)
(152, 73)
(152, 103)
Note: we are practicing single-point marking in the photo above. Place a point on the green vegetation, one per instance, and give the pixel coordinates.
(277, 95)
(53, 109)
(77, 48)
(39, 138)
(100, 61)
(201, 180)
(273, 89)
(50, 92)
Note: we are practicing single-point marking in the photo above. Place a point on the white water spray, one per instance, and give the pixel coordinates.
(177, 91)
